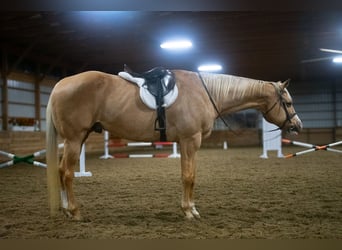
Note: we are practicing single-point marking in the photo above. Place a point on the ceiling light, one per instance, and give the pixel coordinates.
(337, 59)
(331, 50)
(176, 44)
(210, 67)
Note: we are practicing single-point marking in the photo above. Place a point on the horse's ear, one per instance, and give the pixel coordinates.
(285, 84)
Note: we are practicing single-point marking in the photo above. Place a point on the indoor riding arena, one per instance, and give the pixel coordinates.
(251, 181)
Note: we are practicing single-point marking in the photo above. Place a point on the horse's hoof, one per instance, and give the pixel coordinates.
(67, 213)
(190, 216)
(77, 216)
(197, 216)
(191, 213)
(195, 213)
(74, 215)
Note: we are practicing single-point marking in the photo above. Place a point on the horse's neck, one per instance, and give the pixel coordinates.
(232, 94)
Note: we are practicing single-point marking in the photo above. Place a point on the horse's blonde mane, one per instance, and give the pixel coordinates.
(221, 86)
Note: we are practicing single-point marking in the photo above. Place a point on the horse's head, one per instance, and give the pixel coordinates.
(279, 109)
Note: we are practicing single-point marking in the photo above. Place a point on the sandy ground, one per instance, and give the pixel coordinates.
(238, 195)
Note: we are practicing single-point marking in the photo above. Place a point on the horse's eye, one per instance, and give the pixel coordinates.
(288, 104)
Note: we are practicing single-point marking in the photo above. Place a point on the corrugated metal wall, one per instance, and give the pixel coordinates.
(21, 100)
(44, 98)
(319, 104)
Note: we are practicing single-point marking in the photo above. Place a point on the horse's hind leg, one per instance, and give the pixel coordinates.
(67, 169)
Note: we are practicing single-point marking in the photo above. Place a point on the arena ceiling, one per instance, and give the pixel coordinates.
(263, 45)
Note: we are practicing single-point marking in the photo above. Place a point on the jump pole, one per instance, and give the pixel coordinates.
(106, 155)
(174, 154)
(312, 147)
(30, 160)
(27, 158)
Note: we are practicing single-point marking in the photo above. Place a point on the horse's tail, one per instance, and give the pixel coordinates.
(53, 179)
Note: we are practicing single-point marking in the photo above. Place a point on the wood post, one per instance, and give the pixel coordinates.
(4, 78)
(37, 97)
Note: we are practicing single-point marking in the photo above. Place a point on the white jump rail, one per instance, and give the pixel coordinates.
(312, 147)
(106, 155)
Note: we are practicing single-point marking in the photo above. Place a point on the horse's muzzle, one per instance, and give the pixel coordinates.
(295, 127)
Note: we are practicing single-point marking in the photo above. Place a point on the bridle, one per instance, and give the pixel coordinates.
(283, 105)
(280, 99)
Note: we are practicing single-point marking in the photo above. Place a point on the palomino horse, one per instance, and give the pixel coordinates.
(94, 100)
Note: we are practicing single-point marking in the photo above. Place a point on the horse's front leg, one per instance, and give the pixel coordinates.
(188, 148)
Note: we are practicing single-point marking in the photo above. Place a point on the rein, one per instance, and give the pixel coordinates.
(213, 103)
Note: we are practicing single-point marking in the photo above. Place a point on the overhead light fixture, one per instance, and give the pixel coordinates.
(210, 67)
(176, 44)
(337, 59)
(331, 50)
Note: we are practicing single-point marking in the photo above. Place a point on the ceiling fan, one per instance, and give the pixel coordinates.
(335, 58)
